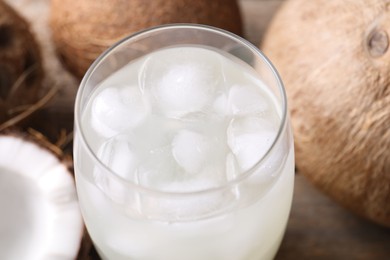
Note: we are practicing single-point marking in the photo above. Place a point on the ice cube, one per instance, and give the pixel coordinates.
(162, 171)
(191, 150)
(157, 168)
(173, 164)
(241, 100)
(182, 80)
(118, 108)
(249, 139)
(118, 154)
(221, 105)
(245, 99)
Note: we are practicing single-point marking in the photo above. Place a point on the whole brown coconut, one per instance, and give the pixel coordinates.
(334, 59)
(82, 30)
(21, 71)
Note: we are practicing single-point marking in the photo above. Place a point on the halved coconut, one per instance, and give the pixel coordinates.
(40, 216)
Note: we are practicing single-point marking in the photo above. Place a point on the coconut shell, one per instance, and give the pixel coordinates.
(334, 59)
(21, 71)
(82, 30)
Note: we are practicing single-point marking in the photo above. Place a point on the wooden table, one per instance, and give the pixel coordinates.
(318, 228)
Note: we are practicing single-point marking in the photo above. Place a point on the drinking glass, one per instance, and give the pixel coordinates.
(242, 218)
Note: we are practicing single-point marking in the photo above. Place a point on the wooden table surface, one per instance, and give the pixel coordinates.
(318, 228)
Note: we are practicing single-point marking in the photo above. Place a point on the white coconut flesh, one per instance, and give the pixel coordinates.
(39, 212)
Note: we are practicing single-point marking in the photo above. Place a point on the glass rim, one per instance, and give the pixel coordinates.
(240, 178)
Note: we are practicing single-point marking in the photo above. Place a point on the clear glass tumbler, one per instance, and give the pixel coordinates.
(242, 217)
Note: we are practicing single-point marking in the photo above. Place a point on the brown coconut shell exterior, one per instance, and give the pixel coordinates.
(21, 71)
(337, 76)
(82, 30)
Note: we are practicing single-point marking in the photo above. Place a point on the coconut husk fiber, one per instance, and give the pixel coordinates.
(21, 71)
(57, 113)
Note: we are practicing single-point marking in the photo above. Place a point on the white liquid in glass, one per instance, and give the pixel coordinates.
(183, 120)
